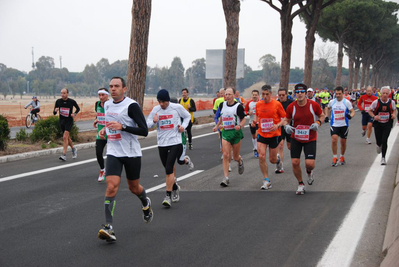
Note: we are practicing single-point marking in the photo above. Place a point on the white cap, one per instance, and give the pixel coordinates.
(310, 89)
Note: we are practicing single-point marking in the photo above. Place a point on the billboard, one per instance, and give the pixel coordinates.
(215, 59)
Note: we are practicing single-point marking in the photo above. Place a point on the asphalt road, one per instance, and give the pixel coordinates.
(52, 218)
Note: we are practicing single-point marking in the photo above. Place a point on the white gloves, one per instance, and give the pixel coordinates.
(289, 129)
(314, 126)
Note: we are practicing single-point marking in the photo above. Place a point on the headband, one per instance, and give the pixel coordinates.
(102, 91)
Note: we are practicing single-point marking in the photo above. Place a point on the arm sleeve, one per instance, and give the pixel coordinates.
(77, 108)
(183, 113)
(192, 108)
(30, 103)
(137, 115)
(240, 112)
(217, 116)
(247, 107)
(55, 106)
(359, 104)
(150, 118)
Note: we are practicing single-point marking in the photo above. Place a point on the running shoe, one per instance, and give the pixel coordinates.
(256, 154)
(368, 141)
(62, 157)
(342, 160)
(167, 202)
(175, 194)
(148, 214)
(266, 185)
(74, 153)
(101, 177)
(241, 167)
(301, 189)
(378, 150)
(190, 146)
(229, 168)
(279, 164)
(107, 233)
(334, 162)
(383, 162)
(364, 133)
(225, 182)
(279, 170)
(189, 163)
(310, 178)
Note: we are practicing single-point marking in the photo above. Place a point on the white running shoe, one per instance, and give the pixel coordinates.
(229, 168)
(301, 189)
(189, 163)
(62, 158)
(176, 194)
(310, 178)
(378, 150)
(368, 141)
(383, 162)
(101, 177)
(266, 185)
(225, 182)
(167, 202)
(74, 153)
(241, 167)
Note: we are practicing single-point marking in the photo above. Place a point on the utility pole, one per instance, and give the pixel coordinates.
(33, 59)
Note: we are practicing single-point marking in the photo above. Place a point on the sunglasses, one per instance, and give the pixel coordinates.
(300, 91)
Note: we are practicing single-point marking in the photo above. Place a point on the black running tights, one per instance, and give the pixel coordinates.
(382, 131)
(100, 145)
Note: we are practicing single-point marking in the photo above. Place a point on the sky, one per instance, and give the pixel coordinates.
(84, 31)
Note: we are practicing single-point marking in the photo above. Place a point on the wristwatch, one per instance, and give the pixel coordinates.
(123, 127)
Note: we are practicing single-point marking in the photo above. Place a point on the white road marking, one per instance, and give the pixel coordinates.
(343, 246)
(155, 188)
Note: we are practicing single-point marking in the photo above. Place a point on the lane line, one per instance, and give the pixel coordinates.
(155, 188)
(342, 248)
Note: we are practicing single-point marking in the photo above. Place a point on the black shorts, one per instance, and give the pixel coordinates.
(169, 155)
(308, 148)
(324, 105)
(66, 124)
(253, 129)
(340, 131)
(132, 166)
(366, 118)
(272, 142)
(284, 135)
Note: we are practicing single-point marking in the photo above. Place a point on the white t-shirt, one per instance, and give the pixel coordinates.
(339, 109)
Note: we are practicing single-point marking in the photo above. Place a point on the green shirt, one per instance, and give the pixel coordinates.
(100, 118)
(325, 97)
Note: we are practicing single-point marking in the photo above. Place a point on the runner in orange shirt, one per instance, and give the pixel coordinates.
(268, 115)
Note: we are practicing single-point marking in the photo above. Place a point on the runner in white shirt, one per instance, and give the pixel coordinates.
(341, 111)
(167, 116)
(250, 110)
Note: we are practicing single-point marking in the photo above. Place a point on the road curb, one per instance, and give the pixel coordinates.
(58, 150)
(390, 248)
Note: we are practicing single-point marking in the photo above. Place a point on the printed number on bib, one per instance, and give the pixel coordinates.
(266, 125)
(384, 117)
(100, 118)
(113, 135)
(165, 122)
(64, 112)
(339, 115)
(302, 132)
(367, 107)
(228, 123)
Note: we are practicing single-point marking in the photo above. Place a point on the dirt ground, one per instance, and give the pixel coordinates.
(16, 147)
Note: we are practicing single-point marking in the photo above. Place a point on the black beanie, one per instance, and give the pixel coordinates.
(163, 95)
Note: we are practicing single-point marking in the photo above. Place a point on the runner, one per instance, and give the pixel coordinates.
(99, 123)
(189, 104)
(65, 106)
(232, 121)
(383, 113)
(325, 98)
(283, 99)
(341, 112)
(364, 104)
(124, 121)
(167, 116)
(219, 100)
(310, 94)
(35, 103)
(250, 110)
(303, 113)
(269, 114)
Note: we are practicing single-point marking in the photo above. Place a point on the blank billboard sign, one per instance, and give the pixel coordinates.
(215, 59)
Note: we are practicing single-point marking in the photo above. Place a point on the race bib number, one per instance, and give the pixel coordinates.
(339, 115)
(64, 112)
(228, 123)
(302, 132)
(367, 107)
(113, 135)
(100, 118)
(165, 122)
(266, 125)
(384, 117)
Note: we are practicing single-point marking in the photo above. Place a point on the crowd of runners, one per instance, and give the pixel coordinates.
(291, 118)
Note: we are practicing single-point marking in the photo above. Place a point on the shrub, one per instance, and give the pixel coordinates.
(44, 146)
(4, 132)
(50, 130)
(22, 135)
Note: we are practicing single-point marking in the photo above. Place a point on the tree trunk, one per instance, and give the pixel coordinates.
(350, 83)
(367, 83)
(357, 71)
(286, 44)
(137, 66)
(231, 12)
(340, 57)
(364, 67)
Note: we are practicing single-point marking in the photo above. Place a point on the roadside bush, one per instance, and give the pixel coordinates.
(50, 130)
(22, 135)
(4, 132)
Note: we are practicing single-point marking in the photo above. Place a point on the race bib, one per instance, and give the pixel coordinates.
(113, 135)
(367, 107)
(64, 112)
(165, 122)
(228, 123)
(266, 125)
(100, 118)
(384, 117)
(339, 115)
(302, 132)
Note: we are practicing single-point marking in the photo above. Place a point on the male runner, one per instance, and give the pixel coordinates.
(124, 120)
(167, 116)
(325, 98)
(341, 112)
(219, 100)
(310, 94)
(283, 99)
(269, 114)
(65, 106)
(383, 113)
(250, 110)
(303, 114)
(232, 121)
(189, 104)
(364, 104)
(99, 123)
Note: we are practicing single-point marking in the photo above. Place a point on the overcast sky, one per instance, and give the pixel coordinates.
(84, 31)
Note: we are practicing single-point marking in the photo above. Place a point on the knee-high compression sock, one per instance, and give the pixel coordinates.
(143, 198)
(254, 143)
(109, 205)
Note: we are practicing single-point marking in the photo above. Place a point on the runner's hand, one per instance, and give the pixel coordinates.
(289, 129)
(180, 128)
(348, 116)
(101, 133)
(95, 123)
(155, 119)
(314, 126)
